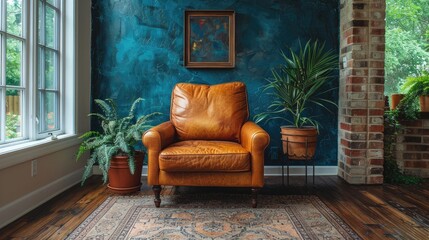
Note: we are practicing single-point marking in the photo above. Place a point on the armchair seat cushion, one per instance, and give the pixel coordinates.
(204, 156)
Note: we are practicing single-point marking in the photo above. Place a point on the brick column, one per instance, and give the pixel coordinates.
(361, 103)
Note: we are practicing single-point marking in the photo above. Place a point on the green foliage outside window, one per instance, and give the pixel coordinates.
(12, 123)
(13, 48)
(407, 41)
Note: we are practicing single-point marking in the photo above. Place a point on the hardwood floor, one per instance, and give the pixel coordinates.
(374, 212)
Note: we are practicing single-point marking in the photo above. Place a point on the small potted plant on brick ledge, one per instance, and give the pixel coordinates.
(395, 99)
(113, 148)
(416, 91)
(299, 83)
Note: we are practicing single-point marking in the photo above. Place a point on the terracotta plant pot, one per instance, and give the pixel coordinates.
(299, 143)
(395, 99)
(120, 178)
(424, 103)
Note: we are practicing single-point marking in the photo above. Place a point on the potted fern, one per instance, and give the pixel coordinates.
(299, 83)
(415, 88)
(113, 148)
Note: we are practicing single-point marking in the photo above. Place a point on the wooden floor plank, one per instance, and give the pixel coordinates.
(355, 202)
(348, 206)
(414, 197)
(374, 212)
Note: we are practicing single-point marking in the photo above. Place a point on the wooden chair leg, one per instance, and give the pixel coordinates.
(157, 191)
(255, 197)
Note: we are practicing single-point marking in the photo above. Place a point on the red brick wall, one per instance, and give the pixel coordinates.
(361, 103)
(412, 148)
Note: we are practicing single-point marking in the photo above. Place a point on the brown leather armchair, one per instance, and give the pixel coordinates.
(207, 142)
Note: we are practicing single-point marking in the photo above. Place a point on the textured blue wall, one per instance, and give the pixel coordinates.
(138, 52)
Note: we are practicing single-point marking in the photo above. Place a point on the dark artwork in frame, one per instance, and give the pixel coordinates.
(209, 39)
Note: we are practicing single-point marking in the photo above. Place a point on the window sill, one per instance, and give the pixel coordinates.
(20, 153)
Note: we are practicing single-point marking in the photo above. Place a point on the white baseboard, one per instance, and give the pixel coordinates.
(30, 201)
(274, 170)
(300, 170)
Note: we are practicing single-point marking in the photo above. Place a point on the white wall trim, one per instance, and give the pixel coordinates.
(300, 170)
(274, 170)
(30, 201)
(20, 153)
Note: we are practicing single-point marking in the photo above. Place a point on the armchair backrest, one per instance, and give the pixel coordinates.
(209, 112)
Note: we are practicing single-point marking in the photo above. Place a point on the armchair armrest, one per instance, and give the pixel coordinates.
(159, 136)
(155, 139)
(255, 139)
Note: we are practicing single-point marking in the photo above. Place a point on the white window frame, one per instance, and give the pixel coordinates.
(36, 144)
(59, 76)
(24, 84)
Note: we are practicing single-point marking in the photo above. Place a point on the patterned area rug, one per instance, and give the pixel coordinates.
(213, 217)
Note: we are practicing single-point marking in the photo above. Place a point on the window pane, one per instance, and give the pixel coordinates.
(14, 17)
(49, 111)
(13, 62)
(41, 67)
(13, 114)
(50, 69)
(50, 22)
(40, 26)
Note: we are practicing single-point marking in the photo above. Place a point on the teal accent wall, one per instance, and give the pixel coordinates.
(137, 51)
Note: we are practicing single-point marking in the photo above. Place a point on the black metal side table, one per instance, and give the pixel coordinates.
(284, 158)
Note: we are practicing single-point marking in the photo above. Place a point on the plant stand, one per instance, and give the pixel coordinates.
(284, 158)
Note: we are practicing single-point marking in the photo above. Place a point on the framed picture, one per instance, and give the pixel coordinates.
(209, 39)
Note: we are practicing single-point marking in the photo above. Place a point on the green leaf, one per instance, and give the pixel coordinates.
(100, 116)
(121, 143)
(88, 168)
(134, 105)
(89, 134)
(112, 113)
(104, 106)
(112, 126)
(131, 163)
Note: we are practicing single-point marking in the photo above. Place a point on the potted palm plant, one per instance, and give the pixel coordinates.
(299, 83)
(113, 148)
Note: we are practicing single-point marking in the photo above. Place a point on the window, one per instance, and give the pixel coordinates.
(48, 84)
(31, 65)
(12, 79)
